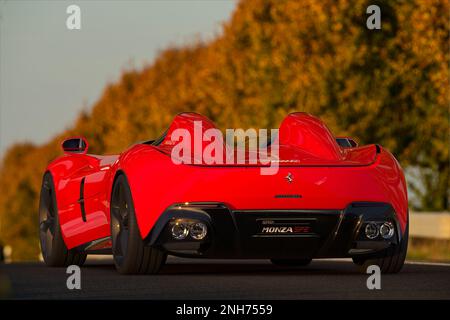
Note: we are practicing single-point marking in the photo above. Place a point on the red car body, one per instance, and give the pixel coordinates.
(326, 179)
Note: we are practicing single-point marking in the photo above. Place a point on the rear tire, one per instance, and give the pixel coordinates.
(53, 248)
(392, 259)
(131, 255)
(291, 262)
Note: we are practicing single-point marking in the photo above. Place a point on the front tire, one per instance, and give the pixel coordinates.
(131, 255)
(53, 248)
(391, 261)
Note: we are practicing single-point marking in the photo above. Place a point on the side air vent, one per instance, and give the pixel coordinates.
(81, 200)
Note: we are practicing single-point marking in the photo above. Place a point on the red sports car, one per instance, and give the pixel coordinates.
(329, 198)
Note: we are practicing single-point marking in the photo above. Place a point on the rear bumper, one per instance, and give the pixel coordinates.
(238, 234)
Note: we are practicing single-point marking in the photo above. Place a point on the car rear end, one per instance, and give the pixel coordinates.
(299, 212)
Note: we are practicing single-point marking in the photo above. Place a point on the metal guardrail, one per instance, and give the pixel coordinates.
(435, 225)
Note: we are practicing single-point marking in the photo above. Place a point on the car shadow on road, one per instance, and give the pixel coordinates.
(244, 268)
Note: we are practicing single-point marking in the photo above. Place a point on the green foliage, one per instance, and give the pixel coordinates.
(386, 86)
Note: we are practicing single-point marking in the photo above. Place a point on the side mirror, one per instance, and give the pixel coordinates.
(346, 142)
(75, 145)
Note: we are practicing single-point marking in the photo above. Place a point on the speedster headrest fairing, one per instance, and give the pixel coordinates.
(302, 139)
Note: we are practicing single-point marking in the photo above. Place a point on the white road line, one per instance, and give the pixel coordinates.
(439, 264)
(418, 263)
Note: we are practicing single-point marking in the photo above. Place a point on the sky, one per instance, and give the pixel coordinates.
(48, 73)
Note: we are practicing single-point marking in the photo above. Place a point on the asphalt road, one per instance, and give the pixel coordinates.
(225, 279)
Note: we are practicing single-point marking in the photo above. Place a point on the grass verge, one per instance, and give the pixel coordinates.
(422, 249)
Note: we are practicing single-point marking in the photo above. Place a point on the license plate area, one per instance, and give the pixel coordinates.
(285, 227)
